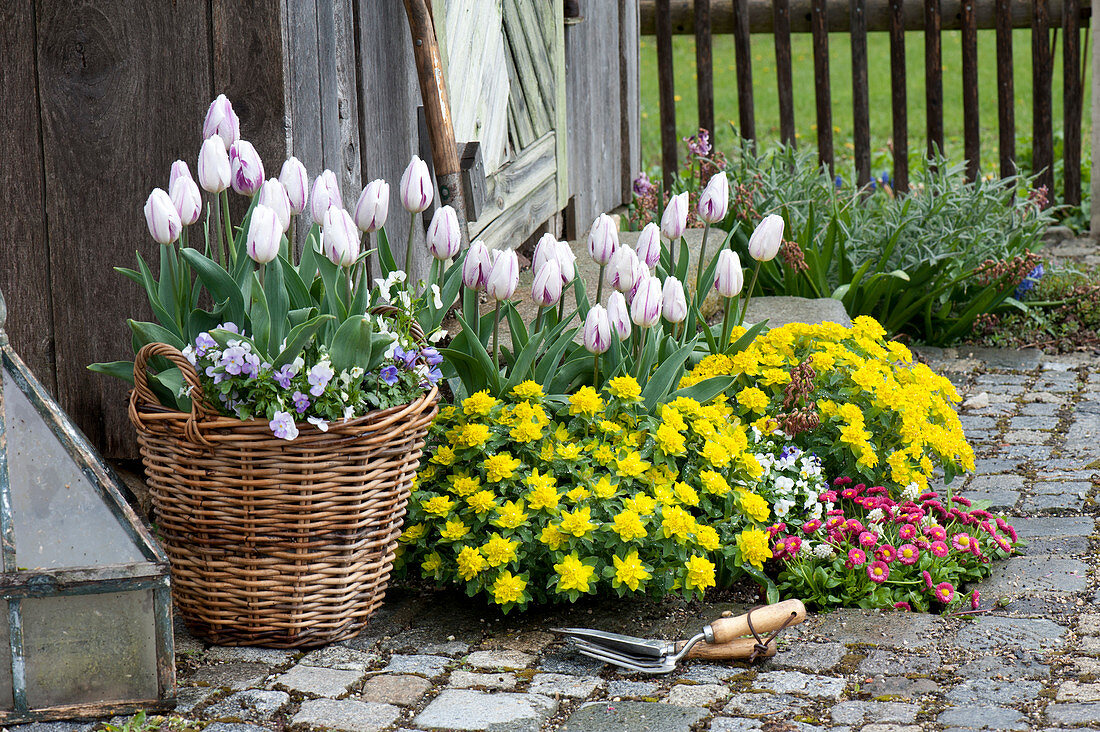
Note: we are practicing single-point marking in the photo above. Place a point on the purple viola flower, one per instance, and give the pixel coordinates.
(214, 374)
(283, 427)
(203, 343)
(251, 366)
(318, 378)
(301, 401)
(232, 359)
(389, 374)
(284, 375)
(431, 378)
(431, 356)
(230, 326)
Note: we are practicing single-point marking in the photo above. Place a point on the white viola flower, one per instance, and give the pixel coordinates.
(437, 336)
(318, 423)
(437, 299)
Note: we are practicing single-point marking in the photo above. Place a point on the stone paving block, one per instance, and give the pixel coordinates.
(500, 659)
(891, 630)
(1038, 409)
(403, 690)
(1030, 423)
(815, 657)
(421, 665)
(739, 724)
(632, 689)
(189, 697)
(463, 709)
(1050, 503)
(568, 661)
(55, 727)
(1026, 452)
(709, 673)
(248, 654)
(234, 727)
(339, 657)
(446, 648)
(236, 676)
(696, 695)
(1064, 545)
(1028, 575)
(891, 663)
(764, 703)
(983, 718)
(862, 712)
(631, 716)
(1075, 691)
(1021, 665)
(1026, 437)
(1073, 714)
(888, 728)
(251, 705)
(900, 687)
(531, 641)
(989, 466)
(1051, 527)
(580, 687)
(1010, 359)
(996, 633)
(992, 692)
(465, 680)
(1089, 624)
(318, 681)
(345, 715)
(796, 682)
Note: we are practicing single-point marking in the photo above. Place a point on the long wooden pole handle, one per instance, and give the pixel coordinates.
(765, 620)
(737, 648)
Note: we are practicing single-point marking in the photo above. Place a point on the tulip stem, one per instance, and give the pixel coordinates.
(227, 225)
(347, 286)
(641, 349)
(595, 371)
(702, 259)
(599, 285)
(496, 338)
(748, 294)
(561, 307)
(538, 320)
(726, 327)
(367, 269)
(290, 242)
(409, 251)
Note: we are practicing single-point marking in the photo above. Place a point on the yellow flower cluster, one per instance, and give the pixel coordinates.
(529, 499)
(881, 416)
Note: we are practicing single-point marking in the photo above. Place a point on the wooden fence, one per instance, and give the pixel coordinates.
(857, 17)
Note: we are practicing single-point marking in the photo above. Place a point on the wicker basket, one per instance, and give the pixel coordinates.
(276, 543)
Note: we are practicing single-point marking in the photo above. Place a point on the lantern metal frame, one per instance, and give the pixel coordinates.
(17, 585)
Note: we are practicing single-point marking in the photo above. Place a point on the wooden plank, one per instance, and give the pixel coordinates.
(525, 68)
(1042, 160)
(578, 90)
(1094, 98)
(761, 15)
(972, 143)
(25, 263)
(742, 48)
(704, 67)
(1071, 101)
(821, 84)
(523, 218)
(861, 120)
(303, 79)
(505, 189)
(782, 23)
(629, 119)
(666, 87)
(341, 151)
(1006, 107)
(933, 77)
(556, 23)
(517, 103)
(124, 93)
(898, 101)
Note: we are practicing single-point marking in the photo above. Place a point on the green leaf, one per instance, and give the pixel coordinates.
(152, 292)
(145, 333)
(352, 344)
(704, 391)
(171, 381)
(516, 326)
(307, 265)
(582, 297)
(565, 376)
(298, 338)
(218, 283)
(119, 369)
(260, 318)
(490, 373)
(385, 253)
(296, 289)
(278, 303)
(667, 374)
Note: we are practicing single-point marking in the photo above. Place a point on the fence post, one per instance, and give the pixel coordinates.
(1094, 217)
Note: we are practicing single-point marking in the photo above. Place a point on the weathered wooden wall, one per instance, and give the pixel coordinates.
(97, 100)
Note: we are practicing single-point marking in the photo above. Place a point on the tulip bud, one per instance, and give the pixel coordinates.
(179, 170)
(295, 180)
(641, 274)
(222, 121)
(444, 236)
(619, 315)
(620, 271)
(274, 196)
(503, 276)
(715, 201)
(567, 260)
(645, 310)
(649, 245)
(675, 218)
(547, 248)
(373, 206)
(248, 170)
(214, 169)
(603, 239)
(597, 330)
(186, 198)
(325, 195)
(265, 232)
(476, 266)
(675, 307)
(340, 237)
(162, 217)
(729, 277)
(766, 239)
(546, 289)
(416, 186)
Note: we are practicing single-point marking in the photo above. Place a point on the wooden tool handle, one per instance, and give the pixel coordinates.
(765, 619)
(737, 648)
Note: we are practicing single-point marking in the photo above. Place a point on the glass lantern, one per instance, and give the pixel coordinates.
(85, 609)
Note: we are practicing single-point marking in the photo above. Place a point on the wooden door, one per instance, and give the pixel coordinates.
(504, 62)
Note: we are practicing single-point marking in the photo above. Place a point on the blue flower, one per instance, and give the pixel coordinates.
(432, 356)
(301, 401)
(389, 374)
(1028, 283)
(284, 375)
(433, 376)
(839, 182)
(283, 427)
(319, 376)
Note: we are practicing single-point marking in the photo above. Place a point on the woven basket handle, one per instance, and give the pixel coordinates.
(143, 393)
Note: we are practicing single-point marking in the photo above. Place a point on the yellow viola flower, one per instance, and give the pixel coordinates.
(511, 515)
(628, 525)
(754, 506)
(470, 563)
(573, 574)
(629, 571)
(499, 550)
(625, 388)
(500, 467)
(454, 530)
(438, 505)
(464, 485)
(700, 573)
(707, 538)
(479, 404)
(508, 588)
(753, 544)
(482, 501)
(578, 523)
(415, 532)
(604, 488)
(527, 390)
(753, 399)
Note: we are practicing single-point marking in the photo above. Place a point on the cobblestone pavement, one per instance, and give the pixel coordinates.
(441, 661)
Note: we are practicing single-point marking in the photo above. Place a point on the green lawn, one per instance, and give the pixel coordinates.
(840, 66)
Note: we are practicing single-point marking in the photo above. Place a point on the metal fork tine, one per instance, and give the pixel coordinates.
(594, 650)
(611, 658)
